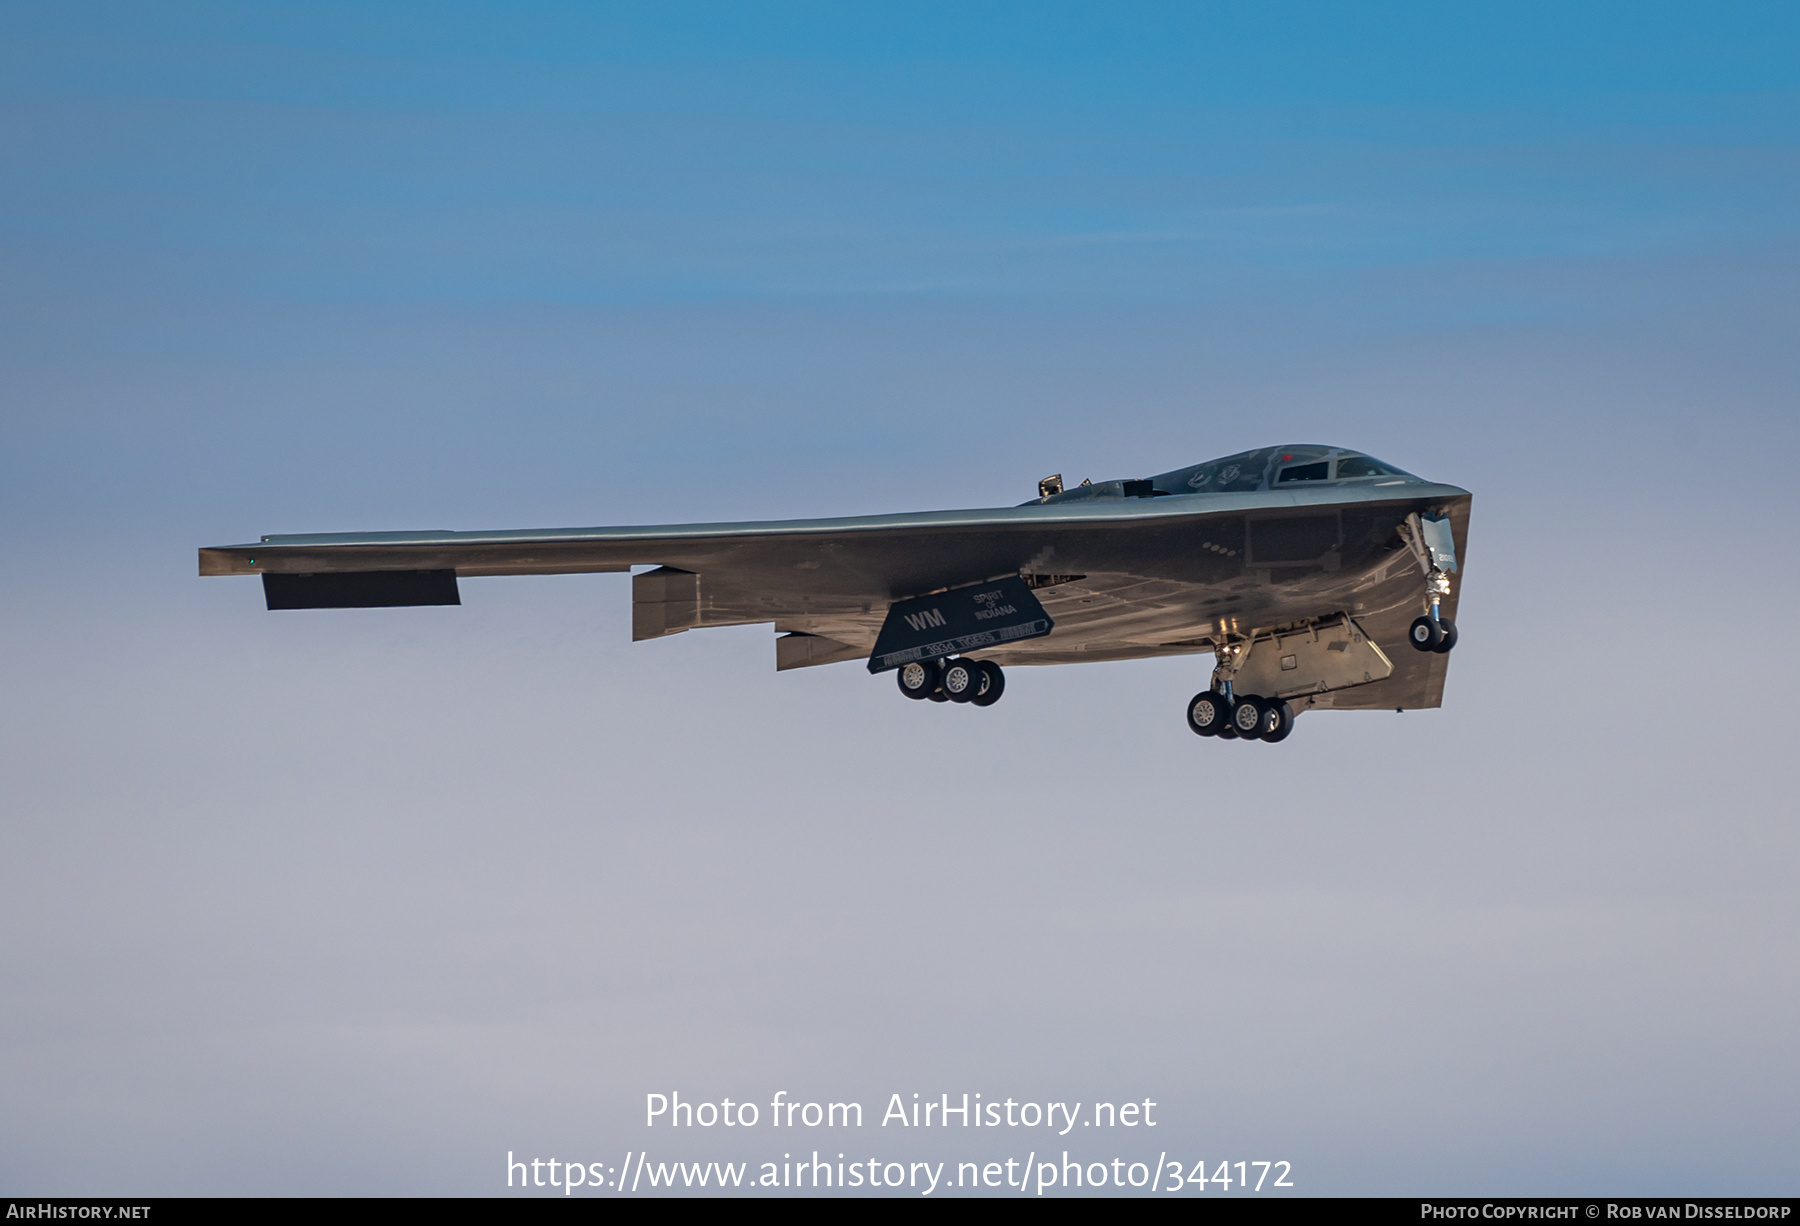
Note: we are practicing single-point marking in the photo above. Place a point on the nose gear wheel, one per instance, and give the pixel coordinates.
(1430, 634)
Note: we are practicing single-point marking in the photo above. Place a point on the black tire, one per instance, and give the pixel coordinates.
(1449, 640)
(923, 674)
(938, 695)
(961, 680)
(989, 694)
(1247, 716)
(1207, 712)
(1425, 634)
(1278, 721)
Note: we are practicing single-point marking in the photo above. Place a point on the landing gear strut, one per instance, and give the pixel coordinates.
(978, 682)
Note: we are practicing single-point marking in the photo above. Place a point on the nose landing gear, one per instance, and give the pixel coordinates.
(1435, 550)
(1429, 633)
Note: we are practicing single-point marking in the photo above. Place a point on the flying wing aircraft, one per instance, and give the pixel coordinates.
(1302, 569)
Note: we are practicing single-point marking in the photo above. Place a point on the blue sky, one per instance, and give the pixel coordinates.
(603, 154)
(355, 904)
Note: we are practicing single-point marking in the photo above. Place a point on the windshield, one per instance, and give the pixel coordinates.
(1319, 471)
(1272, 467)
(1364, 466)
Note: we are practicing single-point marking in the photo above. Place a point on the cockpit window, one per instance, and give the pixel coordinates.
(1363, 466)
(1270, 468)
(1320, 471)
(1243, 471)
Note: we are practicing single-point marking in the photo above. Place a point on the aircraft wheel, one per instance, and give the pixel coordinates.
(962, 680)
(993, 684)
(1425, 634)
(1206, 713)
(1449, 640)
(918, 680)
(1278, 721)
(1247, 716)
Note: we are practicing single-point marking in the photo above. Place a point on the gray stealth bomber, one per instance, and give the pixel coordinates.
(1318, 578)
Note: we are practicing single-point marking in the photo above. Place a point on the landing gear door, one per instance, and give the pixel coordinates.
(1439, 543)
(1333, 656)
(963, 619)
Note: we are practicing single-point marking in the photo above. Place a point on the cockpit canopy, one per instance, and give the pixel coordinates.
(1269, 468)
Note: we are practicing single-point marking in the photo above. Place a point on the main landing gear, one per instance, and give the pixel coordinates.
(979, 682)
(1245, 717)
(1230, 716)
